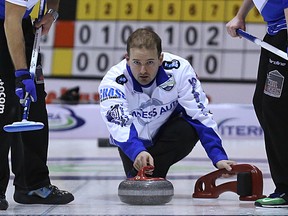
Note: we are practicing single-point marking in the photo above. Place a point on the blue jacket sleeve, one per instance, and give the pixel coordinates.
(210, 141)
(133, 146)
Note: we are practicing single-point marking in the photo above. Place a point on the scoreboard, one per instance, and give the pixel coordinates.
(90, 36)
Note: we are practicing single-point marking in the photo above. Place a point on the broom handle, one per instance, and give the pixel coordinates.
(26, 109)
(262, 44)
(34, 57)
(37, 39)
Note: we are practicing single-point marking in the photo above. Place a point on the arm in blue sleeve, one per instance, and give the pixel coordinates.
(210, 141)
(133, 146)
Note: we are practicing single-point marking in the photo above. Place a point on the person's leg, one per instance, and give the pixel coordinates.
(174, 141)
(274, 121)
(36, 188)
(260, 84)
(36, 146)
(35, 143)
(274, 114)
(9, 107)
(6, 117)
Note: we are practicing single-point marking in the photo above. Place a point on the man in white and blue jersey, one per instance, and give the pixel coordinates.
(271, 94)
(28, 149)
(156, 110)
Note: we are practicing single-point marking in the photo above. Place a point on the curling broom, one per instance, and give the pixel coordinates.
(25, 124)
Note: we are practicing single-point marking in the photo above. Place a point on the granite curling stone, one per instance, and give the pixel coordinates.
(143, 190)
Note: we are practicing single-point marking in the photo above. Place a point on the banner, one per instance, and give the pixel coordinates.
(84, 121)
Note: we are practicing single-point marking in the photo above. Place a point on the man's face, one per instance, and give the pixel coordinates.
(144, 64)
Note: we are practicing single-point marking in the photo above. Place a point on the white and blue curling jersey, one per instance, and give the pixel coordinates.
(29, 4)
(134, 117)
(272, 12)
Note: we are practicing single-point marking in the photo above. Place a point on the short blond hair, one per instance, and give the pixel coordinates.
(144, 38)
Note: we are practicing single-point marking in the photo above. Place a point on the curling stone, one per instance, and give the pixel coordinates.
(249, 184)
(143, 190)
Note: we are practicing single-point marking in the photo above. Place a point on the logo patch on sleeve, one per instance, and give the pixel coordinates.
(169, 65)
(169, 84)
(121, 79)
(116, 115)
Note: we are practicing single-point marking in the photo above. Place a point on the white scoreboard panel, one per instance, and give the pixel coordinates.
(194, 29)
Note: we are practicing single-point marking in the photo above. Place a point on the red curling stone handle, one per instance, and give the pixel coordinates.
(141, 176)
